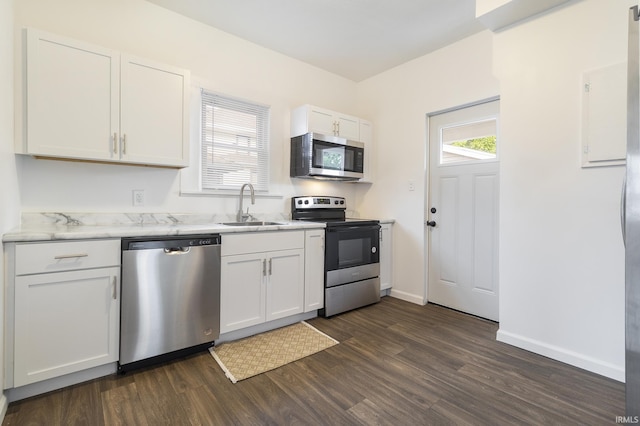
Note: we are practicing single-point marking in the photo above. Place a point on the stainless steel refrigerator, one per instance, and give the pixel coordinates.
(631, 221)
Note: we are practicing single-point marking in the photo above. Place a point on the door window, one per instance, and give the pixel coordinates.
(469, 142)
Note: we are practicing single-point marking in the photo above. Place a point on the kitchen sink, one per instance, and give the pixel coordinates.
(252, 223)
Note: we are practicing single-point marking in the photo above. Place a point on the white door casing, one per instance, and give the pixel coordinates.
(462, 212)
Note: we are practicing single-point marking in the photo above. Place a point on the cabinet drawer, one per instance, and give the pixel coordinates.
(252, 242)
(35, 258)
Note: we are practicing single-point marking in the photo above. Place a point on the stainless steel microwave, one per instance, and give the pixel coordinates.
(314, 155)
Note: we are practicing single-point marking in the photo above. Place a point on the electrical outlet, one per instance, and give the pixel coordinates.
(138, 197)
(412, 185)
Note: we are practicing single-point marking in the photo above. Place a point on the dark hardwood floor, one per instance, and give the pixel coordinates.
(397, 364)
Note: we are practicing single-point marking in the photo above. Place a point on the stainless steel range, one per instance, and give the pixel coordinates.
(352, 258)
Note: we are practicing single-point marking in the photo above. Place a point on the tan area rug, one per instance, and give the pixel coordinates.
(257, 354)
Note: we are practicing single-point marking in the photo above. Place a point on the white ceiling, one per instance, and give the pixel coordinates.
(356, 39)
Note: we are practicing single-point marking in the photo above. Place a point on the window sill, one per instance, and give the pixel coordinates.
(228, 193)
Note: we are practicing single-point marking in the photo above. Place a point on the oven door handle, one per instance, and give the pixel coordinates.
(353, 228)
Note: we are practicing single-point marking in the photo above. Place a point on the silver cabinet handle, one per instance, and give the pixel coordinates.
(70, 256)
(114, 293)
(115, 142)
(124, 144)
(264, 267)
(270, 264)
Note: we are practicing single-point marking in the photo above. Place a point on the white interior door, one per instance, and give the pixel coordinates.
(462, 210)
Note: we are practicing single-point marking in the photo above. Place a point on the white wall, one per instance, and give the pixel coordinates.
(561, 255)
(9, 206)
(397, 102)
(561, 252)
(228, 65)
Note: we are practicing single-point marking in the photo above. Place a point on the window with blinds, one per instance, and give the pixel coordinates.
(235, 143)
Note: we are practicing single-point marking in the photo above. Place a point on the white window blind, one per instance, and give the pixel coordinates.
(235, 143)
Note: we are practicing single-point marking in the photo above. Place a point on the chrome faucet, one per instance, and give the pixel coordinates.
(241, 217)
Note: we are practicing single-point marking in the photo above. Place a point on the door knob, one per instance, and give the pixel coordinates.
(431, 223)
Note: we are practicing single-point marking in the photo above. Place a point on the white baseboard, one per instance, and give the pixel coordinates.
(593, 365)
(408, 297)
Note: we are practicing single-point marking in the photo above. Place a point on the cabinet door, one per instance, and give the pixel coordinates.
(285, 285)
(385, 256)
(153, 113)
(314, 270)
(242, 291)
(72, 98)
(321, 121)
(65, 322)
(348, 127)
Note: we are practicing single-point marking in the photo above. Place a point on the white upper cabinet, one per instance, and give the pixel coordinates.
(71, 105)
(309, 118)
(89, 103)
(153, 118)
(348, 127)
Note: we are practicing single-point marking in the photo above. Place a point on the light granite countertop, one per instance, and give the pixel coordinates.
(76, 226)
(48, 232)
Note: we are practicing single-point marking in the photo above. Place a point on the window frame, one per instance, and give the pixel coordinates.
(261, 149)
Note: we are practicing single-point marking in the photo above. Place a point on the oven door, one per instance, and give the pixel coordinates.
(351, 253)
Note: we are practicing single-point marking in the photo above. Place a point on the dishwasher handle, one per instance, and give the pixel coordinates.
(176, 250)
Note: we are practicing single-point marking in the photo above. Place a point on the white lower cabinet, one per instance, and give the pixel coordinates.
(67, 320)
(314, 270)
(386, 260)
(285, 283)
(262, 278)
(242, 292)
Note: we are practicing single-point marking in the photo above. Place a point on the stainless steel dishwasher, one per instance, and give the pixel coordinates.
(170, 302)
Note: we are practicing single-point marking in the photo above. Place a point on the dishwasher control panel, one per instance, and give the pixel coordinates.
(170, 242)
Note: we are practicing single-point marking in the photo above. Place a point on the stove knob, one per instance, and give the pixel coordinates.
(306, 201)
(341, 201)
(299, 201)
